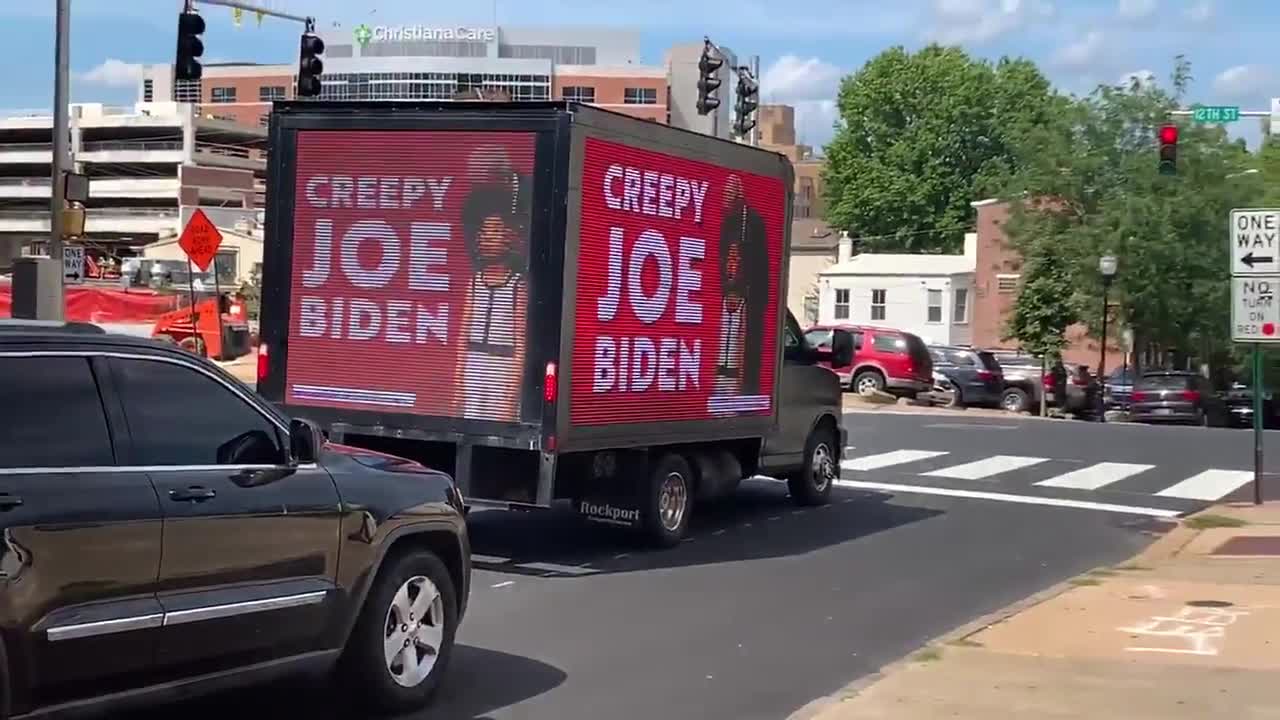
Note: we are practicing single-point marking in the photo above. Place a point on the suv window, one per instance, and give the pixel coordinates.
(819, 337)
(962, 358)
(62, 422)
(179, 416)
(1166, 382)
(889, 343)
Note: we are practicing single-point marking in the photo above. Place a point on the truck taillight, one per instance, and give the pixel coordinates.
(550, 383)
(1191, 395)
(263, 365)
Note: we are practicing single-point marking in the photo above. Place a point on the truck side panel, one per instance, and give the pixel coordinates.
(408, 263)
(676, 247)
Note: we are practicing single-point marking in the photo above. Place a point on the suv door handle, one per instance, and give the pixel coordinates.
(8, 502)
(195, 492)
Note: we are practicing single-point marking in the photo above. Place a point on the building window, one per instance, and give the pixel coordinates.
(223, 95)
(960, 310)
(640, 96)
(148, 90)
(266, 93)
(878, 304)
(842, 304)
(579, 94)
(935, 306)
(1007, 283)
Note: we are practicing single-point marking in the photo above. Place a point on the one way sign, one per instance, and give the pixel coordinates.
(1254, 246)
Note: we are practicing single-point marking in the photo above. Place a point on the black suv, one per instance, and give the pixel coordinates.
(165, 530)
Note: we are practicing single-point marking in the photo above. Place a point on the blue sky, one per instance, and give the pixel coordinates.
(804, 47)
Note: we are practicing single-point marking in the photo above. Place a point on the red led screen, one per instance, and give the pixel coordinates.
(677, 296)
(410, 264)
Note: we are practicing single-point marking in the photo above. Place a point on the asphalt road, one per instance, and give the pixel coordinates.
(768, 607)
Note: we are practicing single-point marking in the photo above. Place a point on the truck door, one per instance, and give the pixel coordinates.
(805, 391)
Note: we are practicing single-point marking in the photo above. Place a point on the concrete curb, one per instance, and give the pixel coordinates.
(1165, 546)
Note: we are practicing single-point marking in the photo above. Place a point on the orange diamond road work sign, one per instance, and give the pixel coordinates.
(200, 240)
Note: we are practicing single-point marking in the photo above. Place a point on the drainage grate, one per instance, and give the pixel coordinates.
(1250, 545)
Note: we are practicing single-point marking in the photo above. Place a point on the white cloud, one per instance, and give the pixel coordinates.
(114, 73)
(959, 22)
(1243, 80)
(1144, 78)
(1136, 9)
(1201, 11)
(1081, 53)
(815, 122)
(792, 78)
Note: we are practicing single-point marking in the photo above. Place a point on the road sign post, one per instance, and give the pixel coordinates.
(1255, 307)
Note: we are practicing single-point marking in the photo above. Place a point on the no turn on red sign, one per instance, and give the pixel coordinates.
(1255, 309)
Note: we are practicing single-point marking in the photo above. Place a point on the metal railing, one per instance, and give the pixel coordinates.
(130, 145)
(96, 212)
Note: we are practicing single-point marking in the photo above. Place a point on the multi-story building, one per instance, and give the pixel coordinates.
(777, 126)
(149, 167)
(419, 62)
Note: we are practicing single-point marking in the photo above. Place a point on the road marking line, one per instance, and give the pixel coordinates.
(503, 584)
(982, 426)
(1209, 485)
(1005, 497)
(1095, 476)
(986, 467)
(560, 569)
(884, 460)
(489, 559)
(719, 532)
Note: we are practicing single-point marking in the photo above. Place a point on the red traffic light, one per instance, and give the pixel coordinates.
(1169, 135)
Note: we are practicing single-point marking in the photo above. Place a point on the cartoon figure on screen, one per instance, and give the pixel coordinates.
(495, 227)
(744, 280)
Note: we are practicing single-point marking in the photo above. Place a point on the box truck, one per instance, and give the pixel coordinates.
(552, 302)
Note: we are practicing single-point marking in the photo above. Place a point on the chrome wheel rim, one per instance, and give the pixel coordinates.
(867, 384)
(673, 501)
(413, 631)
(1012, 403)
(823, 467)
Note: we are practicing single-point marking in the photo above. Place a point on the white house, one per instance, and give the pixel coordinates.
(929, 295)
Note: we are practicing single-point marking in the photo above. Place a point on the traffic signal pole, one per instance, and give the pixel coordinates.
(61, 146)
(310, 21)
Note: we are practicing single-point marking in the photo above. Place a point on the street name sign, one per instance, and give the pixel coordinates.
(1254, 246)
(1255, 309)
(73, 264)
(1215, 113)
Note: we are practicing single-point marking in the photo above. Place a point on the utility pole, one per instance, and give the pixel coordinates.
(61, 141)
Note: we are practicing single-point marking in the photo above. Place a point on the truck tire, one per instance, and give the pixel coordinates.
(812, 485)
(668, 500)
(403, 639)
(1015, 400)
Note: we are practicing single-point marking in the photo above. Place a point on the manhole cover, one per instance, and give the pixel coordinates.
(1250, 545)
(1210, 603)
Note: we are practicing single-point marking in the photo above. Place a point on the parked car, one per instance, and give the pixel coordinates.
(884, 359)
(1080, 391)
(1118, 389)
(1173, 396)
(973, 376)
(1024, 381)
(169, 532)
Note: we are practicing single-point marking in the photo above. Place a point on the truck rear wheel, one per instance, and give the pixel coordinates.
(812, 484)
(669, 500)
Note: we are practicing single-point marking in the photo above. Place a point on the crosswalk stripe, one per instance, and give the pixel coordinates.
(986, 467)
(1209, 485)
(883, 460)
(1095, 476)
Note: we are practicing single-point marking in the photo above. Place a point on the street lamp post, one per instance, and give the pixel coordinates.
(1106, 268)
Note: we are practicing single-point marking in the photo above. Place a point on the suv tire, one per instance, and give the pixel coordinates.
(812, 485)
(868, 381)
(414, 592)
(668, 500)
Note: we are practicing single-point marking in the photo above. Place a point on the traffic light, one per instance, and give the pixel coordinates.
(748, 100)
(190, 47)
(310, 65)
(709, 79)
(1169, 150)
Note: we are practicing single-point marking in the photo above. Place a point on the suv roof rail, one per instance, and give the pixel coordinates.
(22, 325)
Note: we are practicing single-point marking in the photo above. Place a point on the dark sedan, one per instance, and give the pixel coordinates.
(1176, 397)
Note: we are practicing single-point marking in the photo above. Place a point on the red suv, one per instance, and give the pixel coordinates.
(883, 359)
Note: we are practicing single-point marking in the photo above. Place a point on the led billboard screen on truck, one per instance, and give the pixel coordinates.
(409, 282)
(678, 272)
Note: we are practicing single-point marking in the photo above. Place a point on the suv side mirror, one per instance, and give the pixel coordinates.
(840, 355)
(305, 441)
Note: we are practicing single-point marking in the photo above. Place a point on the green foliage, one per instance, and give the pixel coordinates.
(921, 136)
(1099, 165)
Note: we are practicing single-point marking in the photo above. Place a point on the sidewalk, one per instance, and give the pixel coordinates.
(1188, 629)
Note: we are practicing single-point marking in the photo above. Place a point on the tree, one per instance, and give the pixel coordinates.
(1097, 166)
(920, 137)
